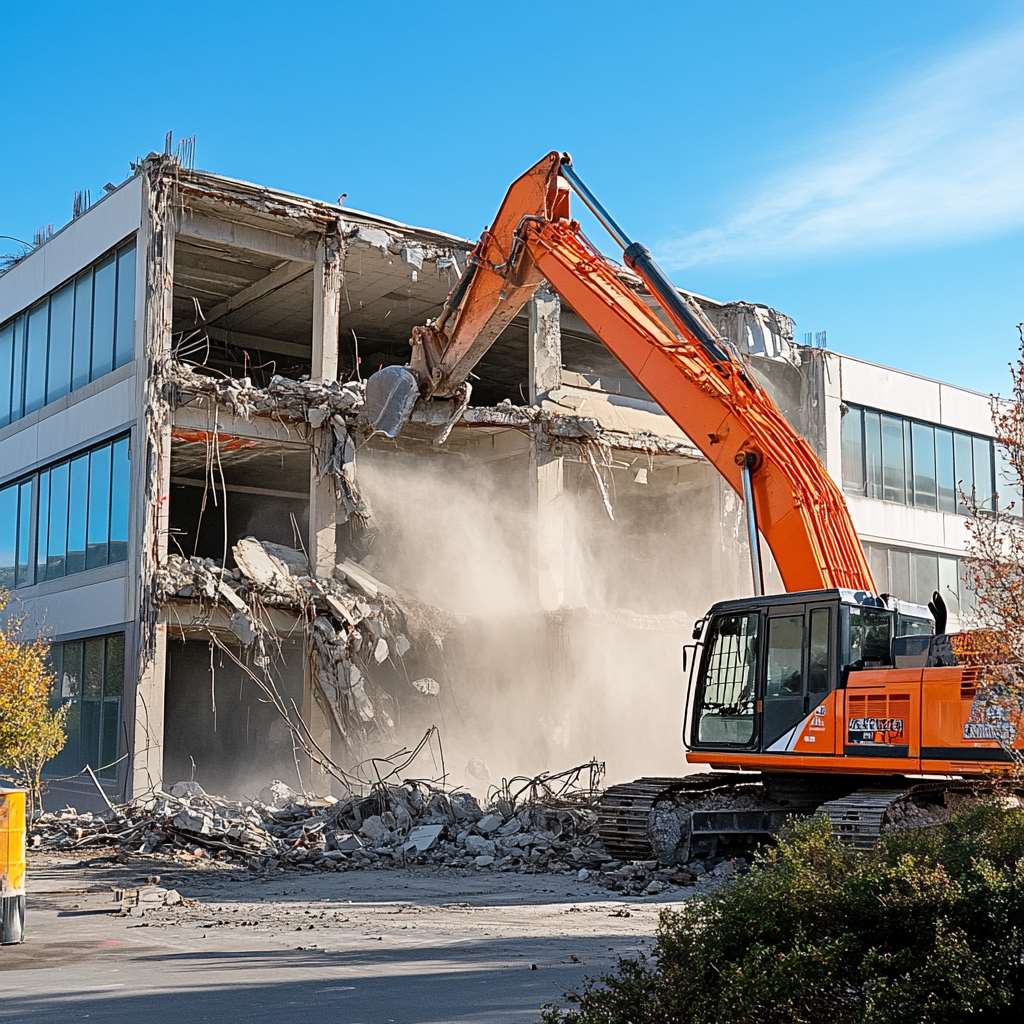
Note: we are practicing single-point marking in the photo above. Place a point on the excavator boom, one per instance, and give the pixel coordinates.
(817, 689)
(682, 364)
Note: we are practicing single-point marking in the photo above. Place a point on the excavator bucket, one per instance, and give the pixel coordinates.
(391, 394)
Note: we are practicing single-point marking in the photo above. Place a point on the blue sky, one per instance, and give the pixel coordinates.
(859, 166)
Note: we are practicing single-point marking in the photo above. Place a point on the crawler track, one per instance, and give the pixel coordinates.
(624, 810)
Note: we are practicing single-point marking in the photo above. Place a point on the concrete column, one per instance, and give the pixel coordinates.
(545, 343)
(323, 505)
(323, 501)
(550, 550)
(148, 731)
(547, 472)
(319, 724)
(151, 473)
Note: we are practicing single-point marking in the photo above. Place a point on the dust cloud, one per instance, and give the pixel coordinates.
(597, 673)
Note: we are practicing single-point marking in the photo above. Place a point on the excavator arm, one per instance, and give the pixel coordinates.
(675, 355)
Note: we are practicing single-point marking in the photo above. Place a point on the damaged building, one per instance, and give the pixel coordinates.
(241, 582)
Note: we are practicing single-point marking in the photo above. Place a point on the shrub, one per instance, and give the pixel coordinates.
(927, 929)
(31, 732)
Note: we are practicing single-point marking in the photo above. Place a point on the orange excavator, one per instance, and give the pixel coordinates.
(829, 696)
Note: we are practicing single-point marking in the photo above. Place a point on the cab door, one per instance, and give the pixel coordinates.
(799, 671)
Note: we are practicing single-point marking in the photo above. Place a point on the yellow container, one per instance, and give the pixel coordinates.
(12, 866)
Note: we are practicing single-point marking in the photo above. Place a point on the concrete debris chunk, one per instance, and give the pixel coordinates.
(427, 686)
(374, 829)
(190, 821)
(277, 794)
(187, 789)
(423, 838)
(380, 651)
(490, 823)
(257, 564)
(478, 845)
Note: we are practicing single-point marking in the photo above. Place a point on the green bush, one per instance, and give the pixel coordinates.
(927, 929)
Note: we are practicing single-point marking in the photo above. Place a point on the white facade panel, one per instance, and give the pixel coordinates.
(69, 428)
(965, 410)
(76, 608)
(73, 247)
(890, 390)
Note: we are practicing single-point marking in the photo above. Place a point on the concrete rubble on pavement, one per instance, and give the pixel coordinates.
(543, 829)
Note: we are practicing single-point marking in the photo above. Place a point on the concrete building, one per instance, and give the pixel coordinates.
(173, 368)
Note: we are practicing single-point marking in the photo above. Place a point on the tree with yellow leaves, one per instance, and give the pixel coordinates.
(31, 732)
(995, 571)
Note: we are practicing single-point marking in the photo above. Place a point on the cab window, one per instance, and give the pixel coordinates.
(726, 713)
(870, 638)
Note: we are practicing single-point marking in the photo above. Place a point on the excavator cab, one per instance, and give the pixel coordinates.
(764, 665)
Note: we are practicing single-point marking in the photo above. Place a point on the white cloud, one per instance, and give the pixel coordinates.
(940, 157)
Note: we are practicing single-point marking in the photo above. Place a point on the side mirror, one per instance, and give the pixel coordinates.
(698, 628)
(685, 648)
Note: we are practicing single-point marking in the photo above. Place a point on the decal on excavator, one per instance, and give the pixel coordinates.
(875, 730)
(813, 734)
(989, 721)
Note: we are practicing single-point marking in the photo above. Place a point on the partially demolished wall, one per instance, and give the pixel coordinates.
(381, 663)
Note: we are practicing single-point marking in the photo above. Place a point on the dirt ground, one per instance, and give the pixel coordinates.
(414, 946)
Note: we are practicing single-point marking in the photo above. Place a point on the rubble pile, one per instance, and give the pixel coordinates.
(362, 632)
(396, 825)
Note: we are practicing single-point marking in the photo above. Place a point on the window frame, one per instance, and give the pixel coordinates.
(959, 440)
(37, 535)
(79, 350)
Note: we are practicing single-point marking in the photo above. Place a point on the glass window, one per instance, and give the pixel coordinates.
(78, 503)
(873, 454)
(70, 692)
(949, 583)
(899, 573)
(893, 462)
(784, 677)
(870, 638)
(35, 357)
(98, 526)
(968, 598)
(83, 330)
(23, 569)
(124, 348)
(58, 543)
(923, 440)
(878, 562)
(89, 680)
(120, 492)
(910, 625)
(820, 651)
(92, 700)
(103, 318)
(924, 569)
(984, 484)
(853, 449)
(18, 372)
(6, 358)
(727, 701)
(1007, 483)
(113, 686)
(42, 525)
(58, 373)
(963, 467)
(944, 474)
(8, 534)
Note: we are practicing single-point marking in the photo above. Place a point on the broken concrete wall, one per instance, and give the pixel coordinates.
(647, 535)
